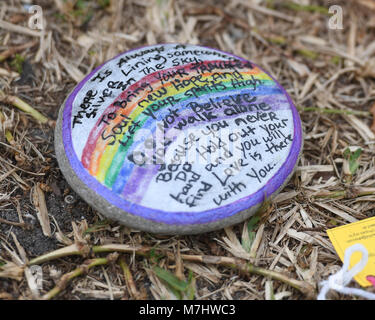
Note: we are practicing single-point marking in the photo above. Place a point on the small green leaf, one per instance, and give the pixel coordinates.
(154, 257)
(347, 152)
(17, 63)
(353, 158)
(254, 221)
(246, 242)
(251, 225)
(190, 292)
(171, 279)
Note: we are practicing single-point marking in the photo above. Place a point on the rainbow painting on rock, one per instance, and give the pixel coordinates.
(181, 134)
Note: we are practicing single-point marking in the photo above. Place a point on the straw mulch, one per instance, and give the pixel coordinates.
(284, 254)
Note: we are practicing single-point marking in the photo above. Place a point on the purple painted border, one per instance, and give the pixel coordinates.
(181, 218)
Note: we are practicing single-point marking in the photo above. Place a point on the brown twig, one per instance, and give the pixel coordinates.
(71, 250)
(179, 265)
(234, 263)
(349, 193)
(11, 51)
(246, 267)
(83, 269)
(13, 223)
(22, 105)
(129, 280)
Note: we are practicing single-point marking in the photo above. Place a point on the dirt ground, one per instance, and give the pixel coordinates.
(329, 73)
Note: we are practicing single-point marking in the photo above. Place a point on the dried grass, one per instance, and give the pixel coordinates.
(328, 73)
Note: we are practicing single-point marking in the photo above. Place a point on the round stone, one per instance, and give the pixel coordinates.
(178, 139)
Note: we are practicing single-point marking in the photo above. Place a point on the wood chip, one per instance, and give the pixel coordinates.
(363, 130)
(301, 236)
(316, 168)
(69, 68)
(286, 227)
(233, 245)
(306, 218)
(20, 249)
(208, 272)
(41, 209)
(336, 211)
(285, 196)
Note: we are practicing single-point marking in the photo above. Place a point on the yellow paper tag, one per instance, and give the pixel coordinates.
(362, 232)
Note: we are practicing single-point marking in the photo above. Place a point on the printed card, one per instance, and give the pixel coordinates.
(362, 232)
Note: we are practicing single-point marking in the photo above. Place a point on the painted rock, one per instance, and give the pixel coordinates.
(178, 139)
